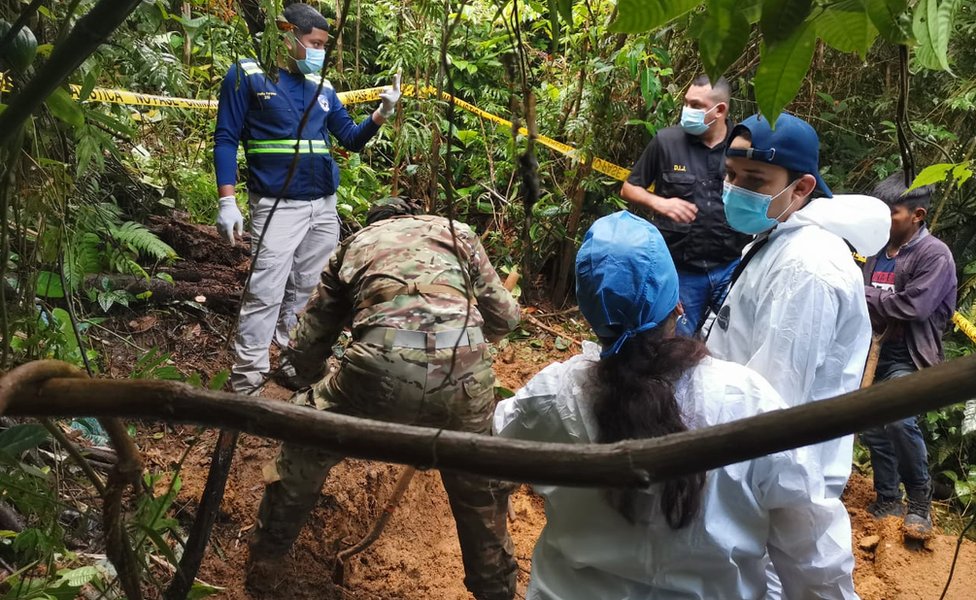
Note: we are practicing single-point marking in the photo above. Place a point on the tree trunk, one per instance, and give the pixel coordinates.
(567, 254)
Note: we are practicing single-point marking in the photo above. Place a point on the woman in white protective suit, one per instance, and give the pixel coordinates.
(704, 535)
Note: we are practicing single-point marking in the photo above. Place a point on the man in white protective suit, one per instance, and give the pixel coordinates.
(796, 312)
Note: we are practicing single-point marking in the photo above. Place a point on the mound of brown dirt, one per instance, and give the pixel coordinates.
(888, 568)
(417, 557)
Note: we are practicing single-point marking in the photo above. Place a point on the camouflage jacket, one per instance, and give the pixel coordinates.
(383, 258)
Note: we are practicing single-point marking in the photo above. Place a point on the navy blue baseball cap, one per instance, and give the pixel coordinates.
(792, 144)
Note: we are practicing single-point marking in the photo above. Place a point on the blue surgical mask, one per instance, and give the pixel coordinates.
(745, 210)
(693, 119)
(313, 61)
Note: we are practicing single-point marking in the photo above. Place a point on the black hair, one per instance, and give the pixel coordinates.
(635, 400)
(893, 192)
(721, 91)
(395, 206)
(794, 175)
(305, 18)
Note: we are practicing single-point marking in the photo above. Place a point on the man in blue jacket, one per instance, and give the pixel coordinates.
(266, 116)
(911, 292)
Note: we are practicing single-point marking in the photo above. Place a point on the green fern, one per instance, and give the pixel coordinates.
(102, 241)
(83, 255)
(121, 261)
(139, 239)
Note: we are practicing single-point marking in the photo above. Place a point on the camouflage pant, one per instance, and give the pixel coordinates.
(403, 386)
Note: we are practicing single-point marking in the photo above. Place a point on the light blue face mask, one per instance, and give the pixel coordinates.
(745, 210)
(693, 119)
(313, 61)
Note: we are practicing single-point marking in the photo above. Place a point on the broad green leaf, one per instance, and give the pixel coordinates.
(891, 19)
(961, 174)
(49, 285)
(503, 392)
(780, 18)
(782, 68)
(64, 107)
(931, 174)
(638, 16)
(940, 29)
(219, 379)
(925, 54)
(20, 438)
(724, 34)
(932, 26)
(88, 84)
(78, 577)
(847, 26)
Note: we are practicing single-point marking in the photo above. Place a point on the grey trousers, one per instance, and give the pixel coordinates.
(301, 236)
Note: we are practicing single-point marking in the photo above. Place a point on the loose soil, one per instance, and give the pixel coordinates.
(417, 556)
(892, 569)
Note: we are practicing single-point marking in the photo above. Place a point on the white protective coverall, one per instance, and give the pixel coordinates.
(797, 314)
(798, 317)
(588, 551)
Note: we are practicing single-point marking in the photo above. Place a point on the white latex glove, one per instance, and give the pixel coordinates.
(389, 98)
(229, 219)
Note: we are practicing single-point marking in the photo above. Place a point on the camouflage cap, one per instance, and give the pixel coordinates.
(394, 206)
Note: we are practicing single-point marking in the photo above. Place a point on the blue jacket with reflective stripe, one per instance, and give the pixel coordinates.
(265, 116)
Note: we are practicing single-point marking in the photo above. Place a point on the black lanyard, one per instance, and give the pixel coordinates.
(757, 245)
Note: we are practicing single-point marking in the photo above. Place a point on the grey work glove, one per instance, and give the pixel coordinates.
(229, 219)
(389, 98)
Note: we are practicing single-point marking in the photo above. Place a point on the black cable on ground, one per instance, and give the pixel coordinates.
(955, 556)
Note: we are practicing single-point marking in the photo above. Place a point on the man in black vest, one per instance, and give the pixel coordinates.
(679, 179)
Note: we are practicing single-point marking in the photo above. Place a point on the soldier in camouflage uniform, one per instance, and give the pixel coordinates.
(419, 356)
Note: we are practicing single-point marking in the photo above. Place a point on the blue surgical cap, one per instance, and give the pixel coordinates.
(626, 282)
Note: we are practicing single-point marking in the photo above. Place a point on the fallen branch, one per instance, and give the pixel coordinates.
(630, 463)
(550, 330)
(558, 313)
(214, 295)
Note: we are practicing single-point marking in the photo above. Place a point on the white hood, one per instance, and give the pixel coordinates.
(864, 221)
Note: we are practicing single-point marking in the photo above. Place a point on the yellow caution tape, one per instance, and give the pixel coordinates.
(134, 99)
(965, 325)
(125, 97)
(372, 95)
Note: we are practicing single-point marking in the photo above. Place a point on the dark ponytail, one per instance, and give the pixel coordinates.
(635, 400)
